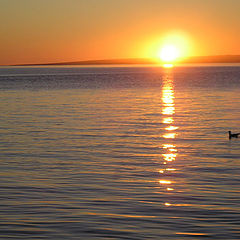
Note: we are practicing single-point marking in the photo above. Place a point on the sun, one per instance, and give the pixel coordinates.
(173, 47)
(169, 53)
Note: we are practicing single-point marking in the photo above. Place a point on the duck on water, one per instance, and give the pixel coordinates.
(233, 135)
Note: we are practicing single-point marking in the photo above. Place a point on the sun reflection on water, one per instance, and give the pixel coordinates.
(165, 182)
(169, 135)
(170, 128)
(169, 157)
(169, 149)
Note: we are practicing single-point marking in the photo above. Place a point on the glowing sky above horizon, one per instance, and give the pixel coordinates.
(74, 30)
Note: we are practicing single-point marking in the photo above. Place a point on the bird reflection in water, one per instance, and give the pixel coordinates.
(169, 149)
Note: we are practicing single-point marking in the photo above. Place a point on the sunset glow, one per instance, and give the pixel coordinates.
(120, 119)
(165, 31)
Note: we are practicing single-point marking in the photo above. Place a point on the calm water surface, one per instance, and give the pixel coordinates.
(119, 153)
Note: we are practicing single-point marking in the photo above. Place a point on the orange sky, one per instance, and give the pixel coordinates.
(72, 30)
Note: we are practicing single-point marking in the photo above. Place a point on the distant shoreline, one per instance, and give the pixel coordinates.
(140, 61)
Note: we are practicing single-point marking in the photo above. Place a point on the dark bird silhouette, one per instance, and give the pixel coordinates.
(233, 135)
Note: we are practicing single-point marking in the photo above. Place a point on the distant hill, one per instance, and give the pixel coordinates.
(213, 59)
(197, 59)
(103, 62)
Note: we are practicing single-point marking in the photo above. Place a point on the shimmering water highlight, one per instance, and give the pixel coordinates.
(119, 153)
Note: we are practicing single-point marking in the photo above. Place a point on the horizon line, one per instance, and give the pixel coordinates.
(227, 58)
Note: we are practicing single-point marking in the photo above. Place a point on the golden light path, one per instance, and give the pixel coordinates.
(168, 111)
(167, 65)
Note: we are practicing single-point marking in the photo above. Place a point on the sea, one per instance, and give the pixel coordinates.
(119, 152)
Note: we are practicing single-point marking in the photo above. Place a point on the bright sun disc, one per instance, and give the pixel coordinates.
(169, 53)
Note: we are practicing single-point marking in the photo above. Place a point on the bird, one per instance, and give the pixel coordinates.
(233, 135)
